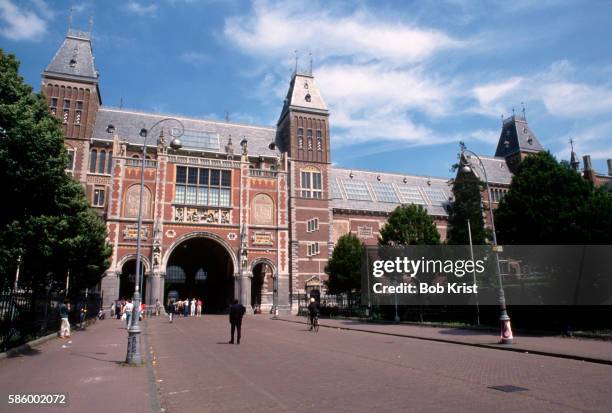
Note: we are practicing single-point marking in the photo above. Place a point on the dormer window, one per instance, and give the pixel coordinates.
(306, 85)
(307, 97)
(72, 62)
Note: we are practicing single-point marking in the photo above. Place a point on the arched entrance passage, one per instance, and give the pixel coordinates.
(201, 268)
(127, 279)
(262, 286)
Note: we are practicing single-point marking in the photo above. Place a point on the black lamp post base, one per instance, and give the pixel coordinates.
(133, 353)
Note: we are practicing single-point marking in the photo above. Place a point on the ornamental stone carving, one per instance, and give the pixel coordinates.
(132, 201)
(201, 215)
(263, 210)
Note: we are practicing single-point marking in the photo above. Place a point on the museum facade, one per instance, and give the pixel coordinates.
(239, 211)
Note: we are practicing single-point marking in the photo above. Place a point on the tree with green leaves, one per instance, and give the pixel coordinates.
(409, 225)
(467, 206)
(46, 223)
(549, 203)
(344, 266)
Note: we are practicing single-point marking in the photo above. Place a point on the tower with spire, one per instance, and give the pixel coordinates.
(70, 83)
(516, 141)
(303, 136)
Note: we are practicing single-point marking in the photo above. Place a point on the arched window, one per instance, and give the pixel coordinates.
(102, 162)
(92, 160)
(311, 183)
(109, 167)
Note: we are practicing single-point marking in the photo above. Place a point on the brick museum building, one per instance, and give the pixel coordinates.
(239, 211)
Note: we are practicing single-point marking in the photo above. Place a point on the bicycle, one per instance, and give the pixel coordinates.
(314, 323)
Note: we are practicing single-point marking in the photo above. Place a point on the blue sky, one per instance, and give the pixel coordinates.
(405, 81)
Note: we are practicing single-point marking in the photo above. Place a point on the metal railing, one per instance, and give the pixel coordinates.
(26, 315)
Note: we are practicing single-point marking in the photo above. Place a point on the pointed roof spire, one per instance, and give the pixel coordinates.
(516, 136)
(574, 162)
(74, 59)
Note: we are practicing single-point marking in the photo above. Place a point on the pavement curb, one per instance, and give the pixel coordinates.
(503, 347)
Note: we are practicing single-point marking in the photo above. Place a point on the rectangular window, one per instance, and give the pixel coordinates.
(311, 185)
(181, 174)
(79, 105)
(312, 225)
(410, 194)
(214, 196)
(53, 106)
(203, 186)
(190, 195)
(313, 249)
(179, 194)
(70, 163)
(66, 103)
(384, 192)
(202, 196)
(300, 136)
(224, 198)
(98, 197)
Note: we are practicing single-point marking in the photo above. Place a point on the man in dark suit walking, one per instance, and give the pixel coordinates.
(236, 312)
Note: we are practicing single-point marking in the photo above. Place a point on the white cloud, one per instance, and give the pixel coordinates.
(372, 71)
(278, 29)
(141, 9)
(553, 88)
(20, 24)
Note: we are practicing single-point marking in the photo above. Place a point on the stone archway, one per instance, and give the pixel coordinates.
(200, 266)
(263, 285)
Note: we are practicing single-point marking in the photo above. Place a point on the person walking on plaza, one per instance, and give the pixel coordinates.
(192, 303)
(112, 310)
(157, 307)
(171, 310)
(186, 307)
(64, 311)
(236, 313)
(118, 309)
(127, 310)
(198, 308)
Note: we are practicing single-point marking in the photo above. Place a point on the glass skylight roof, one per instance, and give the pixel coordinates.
(384, 192)
(411, 194)
(201, 140)
(436, 195)
(335, 189)
(356, 190)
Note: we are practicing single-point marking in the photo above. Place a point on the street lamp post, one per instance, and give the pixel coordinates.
(506, 336)
(133, 348)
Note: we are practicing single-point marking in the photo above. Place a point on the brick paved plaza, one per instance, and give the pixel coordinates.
(281, 367)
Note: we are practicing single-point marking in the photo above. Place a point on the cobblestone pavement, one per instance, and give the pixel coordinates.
(282, 367)
(88, 367)
(580, 348)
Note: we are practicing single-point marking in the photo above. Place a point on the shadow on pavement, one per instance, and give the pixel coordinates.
(92, 357)
(25, 351)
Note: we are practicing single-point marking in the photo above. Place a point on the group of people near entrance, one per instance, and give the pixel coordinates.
(185, 308)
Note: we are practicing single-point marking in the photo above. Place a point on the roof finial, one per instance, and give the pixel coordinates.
(70, 19)
(571, 142)
(512, 112)
(296, 61)
(502, 118)
(91, 22)
(310, 54)
(227, 116)
(523, 110)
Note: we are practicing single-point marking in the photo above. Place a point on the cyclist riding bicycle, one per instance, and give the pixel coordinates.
(313, 311)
